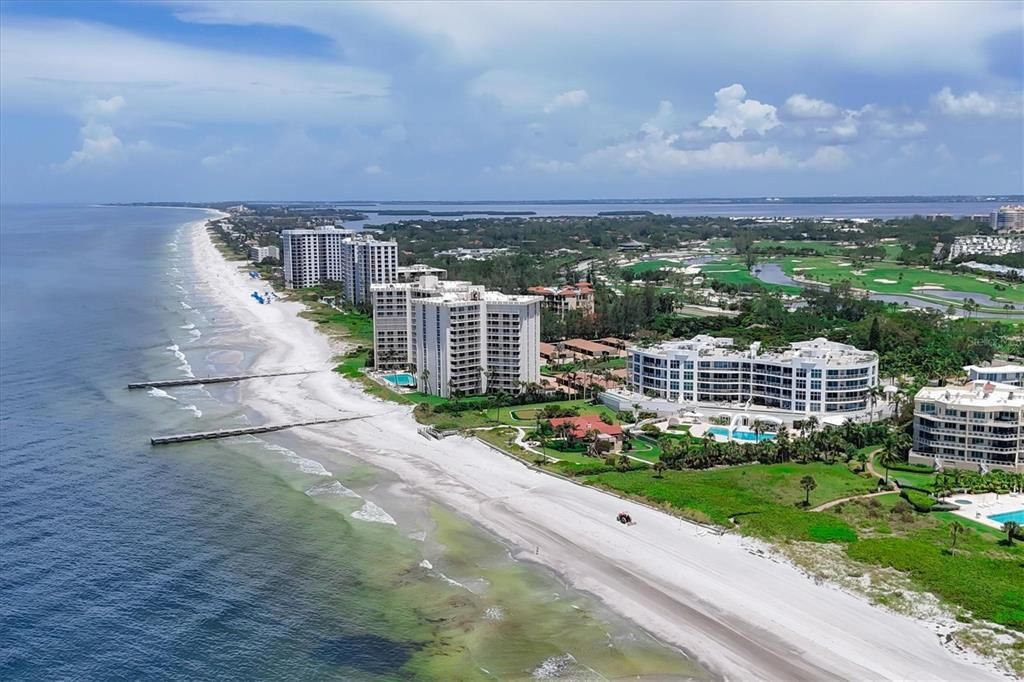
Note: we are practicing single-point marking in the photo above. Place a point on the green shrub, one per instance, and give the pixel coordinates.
(920, 501)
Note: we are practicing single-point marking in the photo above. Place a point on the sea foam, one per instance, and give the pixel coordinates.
(158, 393)
(334, 488)
(306, 466)
(184, 305)
(193, 409)
(371, 512)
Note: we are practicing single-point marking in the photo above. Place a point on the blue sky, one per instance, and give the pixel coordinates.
(263, 100)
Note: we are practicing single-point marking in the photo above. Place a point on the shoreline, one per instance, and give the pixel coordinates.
(729, 601)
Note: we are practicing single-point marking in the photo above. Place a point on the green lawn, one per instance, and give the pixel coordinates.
(762, 498)
(912, 478)
(516, 415)
(733, 271)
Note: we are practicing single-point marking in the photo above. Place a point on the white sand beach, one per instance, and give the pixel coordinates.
(742, 612)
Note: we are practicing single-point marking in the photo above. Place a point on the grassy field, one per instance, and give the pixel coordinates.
(763, 499)
(983, 575)
(733, 271)
(915, 479)
(516, 415)
(897, 278)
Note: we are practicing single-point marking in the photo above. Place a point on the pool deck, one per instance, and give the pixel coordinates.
(986, 505)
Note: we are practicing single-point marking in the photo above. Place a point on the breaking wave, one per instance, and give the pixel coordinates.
(374, 514)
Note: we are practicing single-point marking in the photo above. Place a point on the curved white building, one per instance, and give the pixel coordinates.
(818, 377)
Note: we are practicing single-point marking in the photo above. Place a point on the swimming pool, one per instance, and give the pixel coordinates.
(741, 434)
(402, 379)
(1017, 516)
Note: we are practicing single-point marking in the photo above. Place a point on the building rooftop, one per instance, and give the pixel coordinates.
(1002, 369)
(590, 346)
(975, 394)
(582, 425)
(566, 290)
(722, 347)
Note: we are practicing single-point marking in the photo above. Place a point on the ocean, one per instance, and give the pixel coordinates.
(238, 559)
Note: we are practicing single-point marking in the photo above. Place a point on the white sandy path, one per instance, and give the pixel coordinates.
(742, 614)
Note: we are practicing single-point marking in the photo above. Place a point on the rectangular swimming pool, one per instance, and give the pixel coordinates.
(403, 379)
(741, 434)
(1017, 516)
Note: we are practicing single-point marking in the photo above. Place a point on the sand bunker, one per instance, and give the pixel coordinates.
(886, 281)
(806, 268)
(930, 287)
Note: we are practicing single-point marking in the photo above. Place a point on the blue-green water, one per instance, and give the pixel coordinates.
(741, 434)
(1017, 516)
(237, 559)
(401, 379)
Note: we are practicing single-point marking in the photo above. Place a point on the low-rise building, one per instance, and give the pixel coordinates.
(818, 377)
(608, 437)
(258, 253)
(457, 337)
(977, 425)
(567, 298)
(592, 349)
(1012, 375)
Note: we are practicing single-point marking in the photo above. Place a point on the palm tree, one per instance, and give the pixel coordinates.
(622, 463)
(862, 457)
(425, 378)
(1011, 528)
(956, 529)
(896, 444)
(808, 484)
(659, 469)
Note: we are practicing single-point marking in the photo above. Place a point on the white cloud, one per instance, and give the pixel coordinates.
(98, 142)
(891, 130)
(991, 158)
(900, 38)
(827, 158)
(99, 145)
(104, 107)
(224, 157)
(56, 64)
(567, 100)
(373, 169)
(736, 114)
(975, 104)
(802, 106)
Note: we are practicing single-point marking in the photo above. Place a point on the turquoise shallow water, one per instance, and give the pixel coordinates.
(237, 559)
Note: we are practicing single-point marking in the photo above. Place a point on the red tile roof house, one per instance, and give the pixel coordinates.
(581, 426)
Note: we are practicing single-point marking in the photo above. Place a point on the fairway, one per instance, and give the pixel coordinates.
(893, 278)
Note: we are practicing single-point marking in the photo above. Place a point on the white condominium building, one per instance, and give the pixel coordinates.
(258, 253)
(818, 377)
(457, 337)
(974, 425)
(329, 254)
(1012, 375)
(1008, 219)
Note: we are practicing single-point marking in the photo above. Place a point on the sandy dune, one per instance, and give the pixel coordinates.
(724, 599)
